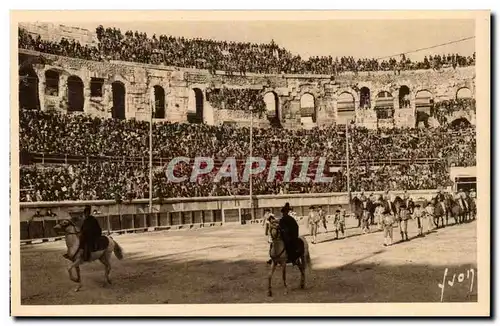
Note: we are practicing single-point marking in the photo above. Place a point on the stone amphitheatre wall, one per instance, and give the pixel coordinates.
(178, 84)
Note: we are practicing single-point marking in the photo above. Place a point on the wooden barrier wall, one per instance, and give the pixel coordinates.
(37, 222)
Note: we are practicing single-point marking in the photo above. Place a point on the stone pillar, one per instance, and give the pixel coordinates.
(41, 88)
(63, 91)
(86, 94)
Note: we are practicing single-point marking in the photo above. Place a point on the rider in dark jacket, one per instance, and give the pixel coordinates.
(290, 232)
(89, 233)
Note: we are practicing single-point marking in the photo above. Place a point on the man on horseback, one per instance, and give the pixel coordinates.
(89, 234)
(290, 232)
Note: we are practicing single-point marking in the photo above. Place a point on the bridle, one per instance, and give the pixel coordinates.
(71, 224)
(275, 236)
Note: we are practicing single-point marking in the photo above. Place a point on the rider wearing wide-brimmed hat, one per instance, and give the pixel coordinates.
(290, 232)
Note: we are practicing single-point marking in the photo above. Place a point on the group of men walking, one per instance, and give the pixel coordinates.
(384, 211)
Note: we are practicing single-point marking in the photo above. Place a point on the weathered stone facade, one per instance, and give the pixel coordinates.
(178, 85)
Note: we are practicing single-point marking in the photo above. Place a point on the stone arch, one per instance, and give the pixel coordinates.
(196, 102)
(346, 108)
(424, 100)
(364, 98)
(271, 100)
(463, 92)
(28, 89)
(52, 77)
(460, 122)
(404, 97)
(308, 107)
(384, 105)
(118, 91)
(159, 95)
(424, 106)
(76, 99)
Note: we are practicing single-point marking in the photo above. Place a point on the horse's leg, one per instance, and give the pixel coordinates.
(302, 267)
(105, 259)
(269, 278)
(401, 231)
(76, 267)
(283, 271)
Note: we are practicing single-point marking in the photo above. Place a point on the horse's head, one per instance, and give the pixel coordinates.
(274, 230)
(65, 226)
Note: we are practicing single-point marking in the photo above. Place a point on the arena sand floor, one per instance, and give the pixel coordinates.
(227, 265)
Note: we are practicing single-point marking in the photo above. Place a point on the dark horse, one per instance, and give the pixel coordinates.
(442, 210)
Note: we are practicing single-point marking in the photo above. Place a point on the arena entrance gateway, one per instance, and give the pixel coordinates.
(464, 178)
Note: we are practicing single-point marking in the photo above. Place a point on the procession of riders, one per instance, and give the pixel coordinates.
(386, 210)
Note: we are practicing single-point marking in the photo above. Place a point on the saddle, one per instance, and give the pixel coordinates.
(299, 249)
(100, 244)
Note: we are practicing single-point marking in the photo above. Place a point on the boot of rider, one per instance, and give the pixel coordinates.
(406, 236)
(402, 236)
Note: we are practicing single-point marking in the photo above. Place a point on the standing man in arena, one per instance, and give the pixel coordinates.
(313, 222)
(89, 233)
(339, 221)
(404, 216)
(418, 213)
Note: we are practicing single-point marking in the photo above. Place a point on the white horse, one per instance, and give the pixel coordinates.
(279, 257)
(106, 248)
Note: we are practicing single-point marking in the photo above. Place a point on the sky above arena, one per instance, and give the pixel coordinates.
(357, 38)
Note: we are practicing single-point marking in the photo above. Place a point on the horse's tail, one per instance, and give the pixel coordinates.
(118, 250)
(307, 256)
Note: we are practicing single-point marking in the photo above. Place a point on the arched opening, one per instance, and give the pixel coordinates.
(272, 108)
(404, 97)
(307, 109)
(195, 106)
(424, 106)
(364, 98)
(384, 105)
(464, 92)
(51, 83)
(460, 123)
(76, 99)
(118, 110)
(159, 93)
(28, 89)
(345, 108)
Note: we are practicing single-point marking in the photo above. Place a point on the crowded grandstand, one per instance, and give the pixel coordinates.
(85, 157)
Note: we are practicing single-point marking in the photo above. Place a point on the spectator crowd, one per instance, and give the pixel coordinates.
(231, 57)
(236, 99)
(374, 157)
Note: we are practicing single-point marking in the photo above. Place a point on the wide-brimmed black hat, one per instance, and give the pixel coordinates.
(286, 208)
